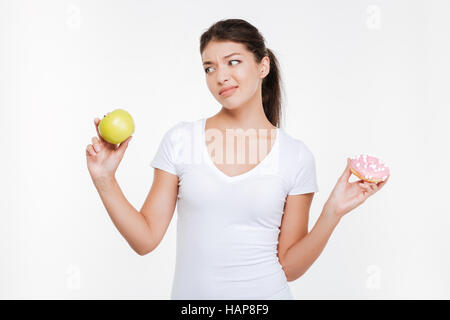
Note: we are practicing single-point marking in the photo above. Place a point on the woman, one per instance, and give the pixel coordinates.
(242, 228)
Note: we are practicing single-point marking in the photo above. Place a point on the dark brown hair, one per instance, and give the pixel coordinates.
(238, 30)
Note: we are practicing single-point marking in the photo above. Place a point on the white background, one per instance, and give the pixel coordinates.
(360, 77)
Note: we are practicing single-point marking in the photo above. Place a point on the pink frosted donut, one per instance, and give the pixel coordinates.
(369, 168)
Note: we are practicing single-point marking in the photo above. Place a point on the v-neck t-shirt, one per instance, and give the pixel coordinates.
(228, 226)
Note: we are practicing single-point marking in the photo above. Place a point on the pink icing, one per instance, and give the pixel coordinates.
(370, 167)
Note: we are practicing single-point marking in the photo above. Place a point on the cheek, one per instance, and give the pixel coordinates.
(251, 85)
(209, 83)
(247, 82)
(242, 76)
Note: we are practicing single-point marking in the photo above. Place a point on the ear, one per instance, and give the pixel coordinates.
(265, 67)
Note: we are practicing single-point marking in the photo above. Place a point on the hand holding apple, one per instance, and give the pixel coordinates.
(104, 157)
(116, 126)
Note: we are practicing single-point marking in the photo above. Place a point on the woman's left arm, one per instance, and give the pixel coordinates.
(297, 250)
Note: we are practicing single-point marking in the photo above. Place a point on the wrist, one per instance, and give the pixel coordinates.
(103, 180)
(330, 211)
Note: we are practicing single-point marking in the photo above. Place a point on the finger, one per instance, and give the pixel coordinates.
(123, 146)
(90, 150)
(382, 183)
(370, 187)
(347, 172)
(367, 187)
(366, 192)
(96, 143)
(96, 122)
(373, 186)
(364, 186)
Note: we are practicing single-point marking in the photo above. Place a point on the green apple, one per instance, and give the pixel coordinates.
(116, 126)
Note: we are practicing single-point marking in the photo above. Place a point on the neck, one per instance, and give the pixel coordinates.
(249, 115)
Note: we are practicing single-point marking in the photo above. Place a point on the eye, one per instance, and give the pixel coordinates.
(206, 70)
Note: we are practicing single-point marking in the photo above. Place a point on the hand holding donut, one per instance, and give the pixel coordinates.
(346, 195)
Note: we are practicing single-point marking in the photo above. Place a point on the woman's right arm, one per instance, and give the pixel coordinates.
(130, 223)
(142, 230)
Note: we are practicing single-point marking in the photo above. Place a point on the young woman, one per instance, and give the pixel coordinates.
(242, 227)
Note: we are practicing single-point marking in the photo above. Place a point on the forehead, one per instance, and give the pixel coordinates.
(220, 49)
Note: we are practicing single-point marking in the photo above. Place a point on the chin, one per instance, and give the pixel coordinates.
(231, 103)
(231, 106)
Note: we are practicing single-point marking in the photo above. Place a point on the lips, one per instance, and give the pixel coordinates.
(227, 89)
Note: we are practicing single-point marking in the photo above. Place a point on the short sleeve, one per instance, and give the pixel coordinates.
(304, 176)
(164, 158)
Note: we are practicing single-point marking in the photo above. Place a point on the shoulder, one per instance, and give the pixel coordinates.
(178, 126)
(300, 168)
(295, 148)
(179, 130)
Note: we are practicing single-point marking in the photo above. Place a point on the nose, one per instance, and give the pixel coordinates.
(223, 74)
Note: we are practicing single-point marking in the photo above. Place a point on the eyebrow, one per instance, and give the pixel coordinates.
(227, 56)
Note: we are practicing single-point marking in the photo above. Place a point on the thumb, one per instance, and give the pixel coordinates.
(123, 146)
(347, 172)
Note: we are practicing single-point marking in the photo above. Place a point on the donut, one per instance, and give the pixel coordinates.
(369, 168)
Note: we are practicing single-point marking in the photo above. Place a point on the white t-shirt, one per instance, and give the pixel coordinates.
(228, 227)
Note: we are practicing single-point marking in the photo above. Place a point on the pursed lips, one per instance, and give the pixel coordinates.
(232, 88)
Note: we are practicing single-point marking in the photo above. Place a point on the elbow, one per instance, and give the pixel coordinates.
(143, 251)
(286, 273)
(290, 277)
(144, 248)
